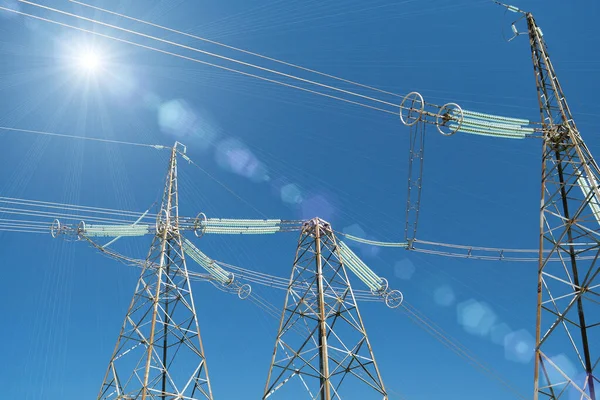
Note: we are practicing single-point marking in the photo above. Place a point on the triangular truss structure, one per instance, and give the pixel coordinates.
(159, 353)
(567, 354)
(322, 348)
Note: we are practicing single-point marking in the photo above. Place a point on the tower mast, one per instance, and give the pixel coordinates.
(322, 346)
(160, 333)
(567, 351)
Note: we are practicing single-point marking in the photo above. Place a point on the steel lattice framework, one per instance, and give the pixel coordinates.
(568, 305)
(159, 352)
(322, 343)
(416, 153)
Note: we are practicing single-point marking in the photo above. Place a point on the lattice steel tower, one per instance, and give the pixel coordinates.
(322, 346)
(567, 351)
(159, 353)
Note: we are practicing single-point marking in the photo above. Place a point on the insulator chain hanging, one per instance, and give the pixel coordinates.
(203, 225)
(379, 286)
(222, 276)
(113, 230)
(200, 226)
(451, 118)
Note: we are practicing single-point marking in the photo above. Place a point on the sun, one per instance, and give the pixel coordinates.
(82, 57)
(89, 61)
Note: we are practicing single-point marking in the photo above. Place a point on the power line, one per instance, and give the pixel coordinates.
(45, 209)
(199, 61)
(73, 207)
(17, 230)
(458, 348)
(223, 185)
(67, 216)
(426, 115)
(20, 130)
(209, 53)
(238, 49)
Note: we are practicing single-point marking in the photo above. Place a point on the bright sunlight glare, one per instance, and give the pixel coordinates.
(89, 61)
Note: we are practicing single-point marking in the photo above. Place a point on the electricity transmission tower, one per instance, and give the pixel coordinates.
(322, 344)
(159, 353)
(567, 352)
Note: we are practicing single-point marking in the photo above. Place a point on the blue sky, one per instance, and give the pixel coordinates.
(297, 155)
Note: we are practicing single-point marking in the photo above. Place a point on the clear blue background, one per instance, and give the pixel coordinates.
(62, 304)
